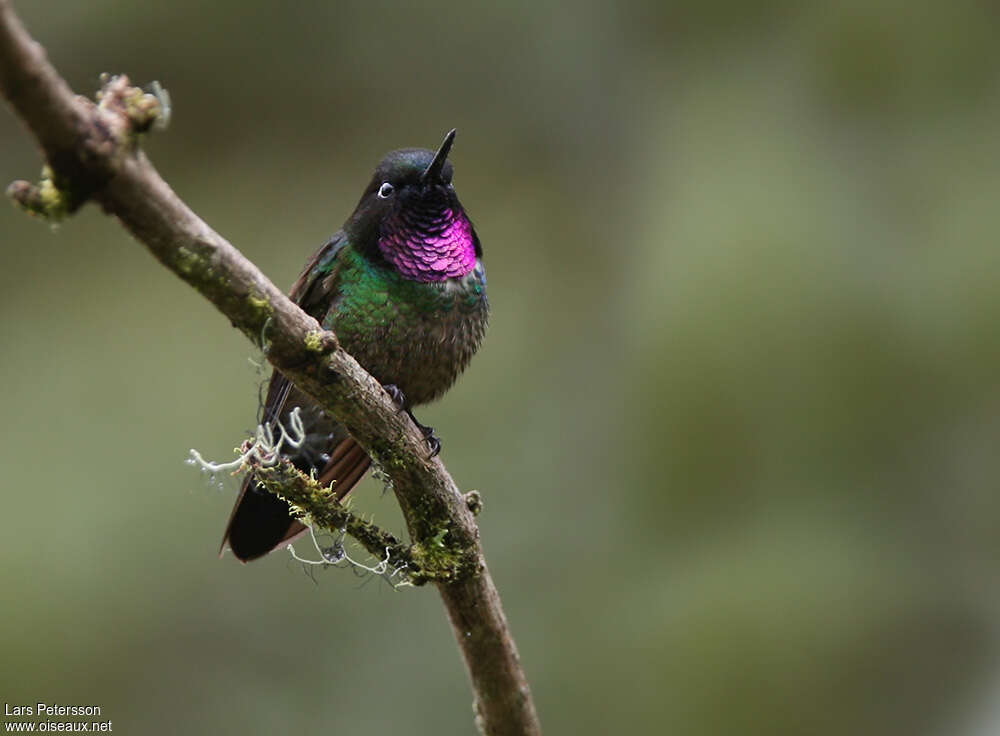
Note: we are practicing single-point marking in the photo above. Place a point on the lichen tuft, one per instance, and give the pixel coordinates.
(315, 341)
(45, 199)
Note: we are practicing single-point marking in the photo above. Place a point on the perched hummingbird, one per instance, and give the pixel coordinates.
(403, 287)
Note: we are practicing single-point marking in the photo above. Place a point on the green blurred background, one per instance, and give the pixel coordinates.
(735, 422)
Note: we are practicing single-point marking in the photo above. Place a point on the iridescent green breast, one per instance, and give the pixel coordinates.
(418, 336)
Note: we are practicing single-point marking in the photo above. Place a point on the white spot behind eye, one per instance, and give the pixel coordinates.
(385, 191)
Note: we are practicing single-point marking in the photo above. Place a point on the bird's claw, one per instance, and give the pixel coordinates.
(396, 394)
(433, 441)
(399, 398)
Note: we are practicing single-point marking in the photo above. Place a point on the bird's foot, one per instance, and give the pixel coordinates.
(397, 395)
(433, 441)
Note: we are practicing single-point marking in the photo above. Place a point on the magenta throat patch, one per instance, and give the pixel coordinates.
(429, 250)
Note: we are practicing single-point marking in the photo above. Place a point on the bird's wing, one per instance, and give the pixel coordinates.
(310, 291)
(260, 521)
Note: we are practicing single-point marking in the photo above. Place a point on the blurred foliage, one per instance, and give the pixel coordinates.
(735, 422)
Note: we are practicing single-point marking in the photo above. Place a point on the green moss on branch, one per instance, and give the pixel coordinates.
(48, 199)
(436, 559)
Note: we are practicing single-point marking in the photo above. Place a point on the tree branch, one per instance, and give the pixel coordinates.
(92, 153)
(318, 505)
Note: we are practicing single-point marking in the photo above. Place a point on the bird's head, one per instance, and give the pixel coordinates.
(409, 217)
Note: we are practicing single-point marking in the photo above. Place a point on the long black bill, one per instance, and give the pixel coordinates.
(433, 171)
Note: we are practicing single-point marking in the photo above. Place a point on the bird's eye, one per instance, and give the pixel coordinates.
(385, 191)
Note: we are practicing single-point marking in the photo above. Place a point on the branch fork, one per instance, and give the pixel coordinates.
(108, 129)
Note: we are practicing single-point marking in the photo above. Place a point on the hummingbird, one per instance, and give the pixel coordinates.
(403, 287)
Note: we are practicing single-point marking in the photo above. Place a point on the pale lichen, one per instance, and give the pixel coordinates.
(45, 199)
(315, 341)
(260, 303)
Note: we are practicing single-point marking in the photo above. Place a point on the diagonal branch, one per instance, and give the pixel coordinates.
(92, 153)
